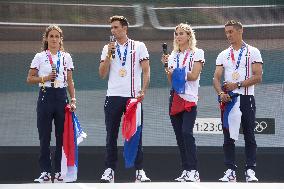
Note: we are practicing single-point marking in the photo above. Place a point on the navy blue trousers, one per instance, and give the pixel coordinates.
(247, 107)
(50, 106)
(114, 108)
(183, 124)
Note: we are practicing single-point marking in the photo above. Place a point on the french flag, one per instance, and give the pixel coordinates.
(131, 130)
(231, 115)
(72, 136)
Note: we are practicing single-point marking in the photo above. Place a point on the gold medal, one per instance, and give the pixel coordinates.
(235, 75)
(122, 72)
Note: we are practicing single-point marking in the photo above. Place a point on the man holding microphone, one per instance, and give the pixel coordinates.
(124, 60)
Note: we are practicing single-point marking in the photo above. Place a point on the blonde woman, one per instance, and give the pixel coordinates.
(183, 67)
(52, 70)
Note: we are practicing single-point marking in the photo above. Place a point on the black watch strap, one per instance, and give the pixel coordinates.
(239, 85)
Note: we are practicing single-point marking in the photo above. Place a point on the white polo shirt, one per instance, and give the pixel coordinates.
(130, 84)
(191, 87)
(249, 56)
(42, 64)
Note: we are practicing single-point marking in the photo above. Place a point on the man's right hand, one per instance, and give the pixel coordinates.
(225, 98)
(111, 47)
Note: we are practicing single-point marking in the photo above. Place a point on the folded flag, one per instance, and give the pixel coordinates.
(231, 115)
(72, 136)
(131, 130)
(178, 80)
(178, 104)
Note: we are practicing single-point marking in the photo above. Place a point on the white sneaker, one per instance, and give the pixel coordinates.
(141, 176)
(189, 176)
(43, 178)
(108, 176)
(58, 178)
(250, 176)
(230, 176)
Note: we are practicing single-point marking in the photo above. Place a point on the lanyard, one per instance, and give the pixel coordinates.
(123, 60)
(184, 59)
(239, 57)
(51, 61)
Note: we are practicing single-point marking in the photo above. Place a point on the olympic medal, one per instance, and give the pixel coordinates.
(235, 75)
(122, 72)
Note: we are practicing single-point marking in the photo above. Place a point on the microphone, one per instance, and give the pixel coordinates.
(112, 39)
(165, 52)
(53, 68)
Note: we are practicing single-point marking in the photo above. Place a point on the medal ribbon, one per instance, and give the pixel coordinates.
(51, 61)
(184, 59)
(123, 60)
(239, 57)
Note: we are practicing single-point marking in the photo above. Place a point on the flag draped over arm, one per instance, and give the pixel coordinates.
(131, 130)
(72, 136)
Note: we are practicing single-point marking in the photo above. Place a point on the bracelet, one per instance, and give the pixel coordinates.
(73, 99)
(221, 93)
(167, 71)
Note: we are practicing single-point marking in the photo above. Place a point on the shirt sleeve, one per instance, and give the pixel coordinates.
(69, 61)
(104, 53)
(143, 55)
(199, 56)
(219, 60)
(35, 62)
(256, 56)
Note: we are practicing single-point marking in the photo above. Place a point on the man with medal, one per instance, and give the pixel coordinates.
(242, 68)
(123, 60)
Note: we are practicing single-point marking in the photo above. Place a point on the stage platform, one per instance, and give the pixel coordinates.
(152, 185)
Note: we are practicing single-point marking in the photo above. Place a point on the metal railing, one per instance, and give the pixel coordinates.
(152, 12)
(138, 14)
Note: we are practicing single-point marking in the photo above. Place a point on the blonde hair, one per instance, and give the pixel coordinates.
(45, 35)
(191, 37)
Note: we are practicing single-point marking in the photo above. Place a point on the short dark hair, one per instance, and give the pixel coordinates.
(235, 24)
(123, 21)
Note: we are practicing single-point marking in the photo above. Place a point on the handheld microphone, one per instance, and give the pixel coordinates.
(53, 68)
(112, 39)
(165, 52)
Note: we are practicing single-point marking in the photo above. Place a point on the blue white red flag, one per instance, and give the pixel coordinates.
(131, 130)
(231, 115)
(72, 136)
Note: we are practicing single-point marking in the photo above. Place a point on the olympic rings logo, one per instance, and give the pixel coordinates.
(260, 127)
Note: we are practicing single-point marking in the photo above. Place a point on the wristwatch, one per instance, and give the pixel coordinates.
(239, 84)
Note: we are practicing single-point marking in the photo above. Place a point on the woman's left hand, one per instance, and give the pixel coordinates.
(140, 95)
(72, 107)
